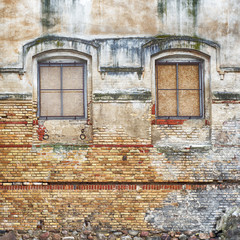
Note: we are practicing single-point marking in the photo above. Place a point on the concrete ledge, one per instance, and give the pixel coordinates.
(15, 96)
(226, 96)
(123, 96)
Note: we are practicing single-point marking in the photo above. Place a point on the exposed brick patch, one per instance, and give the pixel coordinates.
(41, 132)
(89, 122)
(118, 136)
(207, 122)
(153, 109)
(133, 205)
(117, 174)
(35, 122)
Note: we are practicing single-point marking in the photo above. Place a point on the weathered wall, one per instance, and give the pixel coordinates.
(190, 207)
(216, 20)
(131, 170)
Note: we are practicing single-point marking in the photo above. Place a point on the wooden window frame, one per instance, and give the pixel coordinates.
(200, 89)
(84, 89)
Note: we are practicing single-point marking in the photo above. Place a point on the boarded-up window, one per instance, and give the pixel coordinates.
(61, 90)
(179, 90)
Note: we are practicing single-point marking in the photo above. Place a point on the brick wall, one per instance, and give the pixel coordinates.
(26, 158)
(15, 122)
(118, 184)
(116, 206)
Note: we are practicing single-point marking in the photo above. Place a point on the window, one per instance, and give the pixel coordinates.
(179, 89)
(62, 90)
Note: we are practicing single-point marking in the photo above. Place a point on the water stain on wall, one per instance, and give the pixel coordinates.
(125, 17)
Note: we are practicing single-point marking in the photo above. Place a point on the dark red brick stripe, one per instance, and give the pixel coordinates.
(106, 187)
(95, 145)
(13, 122)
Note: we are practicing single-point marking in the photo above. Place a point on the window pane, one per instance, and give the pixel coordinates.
(50, 77)
(188, 77)
(72, 77)
(50, 103)
(167, 103)
(73, 103)
(189, 103)
(166, 76)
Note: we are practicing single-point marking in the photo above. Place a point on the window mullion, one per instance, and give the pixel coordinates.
(84, 91)
(177, 89)
(157, 100)
(200, 89)
(61, 87)
(39, 92)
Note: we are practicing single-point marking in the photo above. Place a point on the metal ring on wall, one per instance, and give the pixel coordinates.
(82, 135)
(45, 137)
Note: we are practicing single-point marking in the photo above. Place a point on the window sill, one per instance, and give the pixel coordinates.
(70, 120)
(62, 118)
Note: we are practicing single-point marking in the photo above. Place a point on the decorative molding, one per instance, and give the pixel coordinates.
(123, 96)
(226, 96)
(20, 71)
(15, 96)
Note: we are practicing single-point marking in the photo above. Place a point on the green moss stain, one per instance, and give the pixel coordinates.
(193, 6)
(67, 148)
(49, 11)
(197, 41)
(197, 45)
(163, 36)
(47, 23)
(164, 42)
(162, 7)
(46, 13)
(59, 43)
(43, 39)
(48, 38)
(61, 147)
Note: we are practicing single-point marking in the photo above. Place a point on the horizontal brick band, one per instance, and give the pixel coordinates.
(114, 187)
(95, 145)
(15, 145)
(13, 122)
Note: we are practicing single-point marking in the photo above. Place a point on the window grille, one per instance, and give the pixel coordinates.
(62, 90)
(179, 90)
